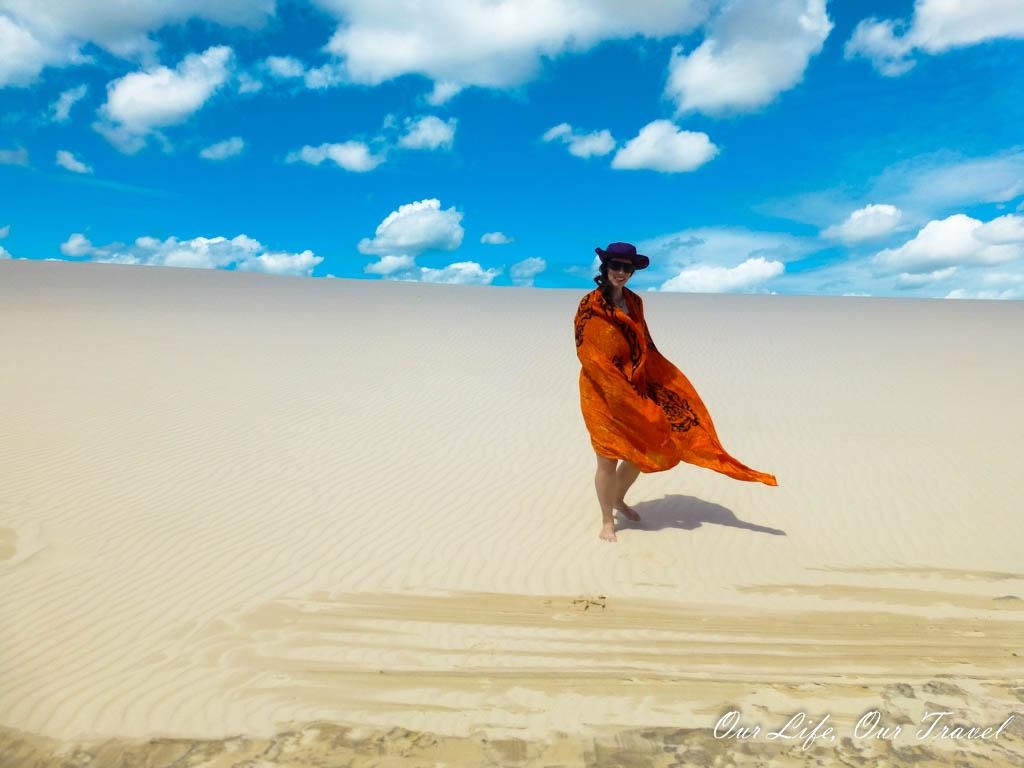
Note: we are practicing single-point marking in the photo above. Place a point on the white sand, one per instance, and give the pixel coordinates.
(230, 501)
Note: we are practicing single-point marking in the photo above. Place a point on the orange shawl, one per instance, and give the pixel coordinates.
(636, 404)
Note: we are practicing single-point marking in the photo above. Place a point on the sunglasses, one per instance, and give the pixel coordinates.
(621, 266)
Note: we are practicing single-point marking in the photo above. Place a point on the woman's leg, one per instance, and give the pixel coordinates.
(606, 483)
(626, 475)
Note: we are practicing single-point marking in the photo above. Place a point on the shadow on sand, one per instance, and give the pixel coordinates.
(688, 513)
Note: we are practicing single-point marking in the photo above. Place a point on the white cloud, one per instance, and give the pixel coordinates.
(353, 156)
(721, 247)
(280, 263)
(248, 84)
(907, 280)
(285, 67)
(878, 41)
(157, 97)
(4, 253)
(17, 156)
(5, 231)
(936, 26)
(223, 149)
(443, 92)
(76, 245)
(992, 285)
(753, 51)
(241, 253)
(707, 278)
(389, 265)
(723, 259)
(867, 223)
(67, 160)
(461, 272)
(957, 240)
(61, 108)
(923, 188)
(523, 272)
(24, 55)
(495, 238)
(39, 33)
(1004, 230)
(403, 268)
(325, 76)
(428, 132)
(1007, 294)
(934, 183)
(415, 228)
(486, 43)
(661, 146)
(582, 144)
(314, 78)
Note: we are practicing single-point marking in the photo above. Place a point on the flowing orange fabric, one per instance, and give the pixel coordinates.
(636, 404)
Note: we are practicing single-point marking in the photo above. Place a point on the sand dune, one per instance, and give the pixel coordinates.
(235, 508)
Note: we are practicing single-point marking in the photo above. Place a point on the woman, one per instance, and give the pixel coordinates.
(638, 407)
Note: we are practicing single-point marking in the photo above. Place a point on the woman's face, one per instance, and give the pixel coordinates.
(619, 272)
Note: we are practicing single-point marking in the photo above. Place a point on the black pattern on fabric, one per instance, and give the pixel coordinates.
(586, 312)
(680, 415)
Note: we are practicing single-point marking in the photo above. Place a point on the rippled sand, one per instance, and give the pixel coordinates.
(258, 521)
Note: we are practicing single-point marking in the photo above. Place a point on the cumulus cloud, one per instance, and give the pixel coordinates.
(523, 272)
(319, 78)
(17, 156)
(443, 92)
(867, 223)
(753, 51)
(4, 253)
(428, 132)
(39, 33)
(403, 268)
(582, 144)
(67, 160)
(936, 26)
(241, 253)
(24, 55)
(143, 101)
(483, 43)
(661, 146)
(390, 264)
(495, 238)
(248, 84)
(5, 231)
(879, 41)
(957, 240)
(285, 67)
(76, 245)
(60, 110)
(415, 228)
(461, 272)
(710, 259)
(223, 149)
(707, 278)
(351, 155)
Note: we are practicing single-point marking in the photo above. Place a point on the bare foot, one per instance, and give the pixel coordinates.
(627, 511)
(608, 532)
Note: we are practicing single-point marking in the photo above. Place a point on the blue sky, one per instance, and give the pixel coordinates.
(790, 147)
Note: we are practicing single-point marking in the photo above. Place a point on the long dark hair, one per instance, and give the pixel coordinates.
(602, 282)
